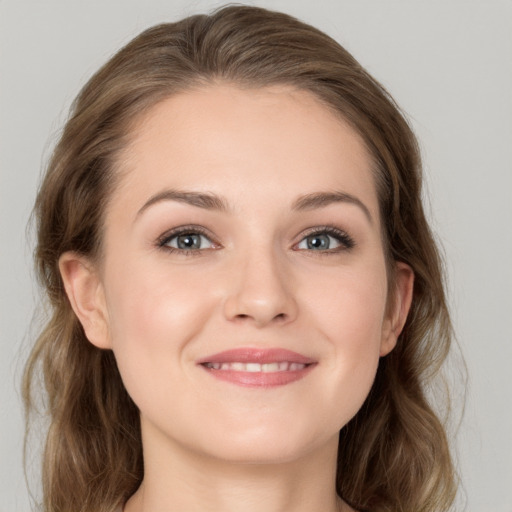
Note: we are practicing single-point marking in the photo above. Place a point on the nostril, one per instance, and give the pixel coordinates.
(278, 317)
(247, 306)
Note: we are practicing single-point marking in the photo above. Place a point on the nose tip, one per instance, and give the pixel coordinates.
(260, 313)
(261, 294)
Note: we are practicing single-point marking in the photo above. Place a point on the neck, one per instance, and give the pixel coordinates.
(177, 479)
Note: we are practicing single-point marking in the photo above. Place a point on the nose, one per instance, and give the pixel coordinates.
(260, 291)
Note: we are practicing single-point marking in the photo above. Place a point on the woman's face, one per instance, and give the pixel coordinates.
(243, 288)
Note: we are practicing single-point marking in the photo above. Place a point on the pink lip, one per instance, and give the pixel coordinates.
(260, 356)
(256, 355)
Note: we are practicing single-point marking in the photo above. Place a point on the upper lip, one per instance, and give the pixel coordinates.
(256, 355)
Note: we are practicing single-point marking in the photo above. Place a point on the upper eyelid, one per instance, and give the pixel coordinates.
(182, 230)
(322, 229)
(330, 230)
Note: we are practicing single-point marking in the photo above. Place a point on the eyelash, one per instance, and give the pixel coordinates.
(183, 230)
(346, 241)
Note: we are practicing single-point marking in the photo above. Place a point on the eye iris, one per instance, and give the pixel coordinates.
(189, 241)
(318, 242)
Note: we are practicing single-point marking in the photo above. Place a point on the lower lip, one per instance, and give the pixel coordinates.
(259, 379)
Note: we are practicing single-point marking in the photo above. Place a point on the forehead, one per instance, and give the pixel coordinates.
(234, 141)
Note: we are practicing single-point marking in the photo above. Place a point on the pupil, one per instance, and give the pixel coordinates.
(318, 242)
(189, 241)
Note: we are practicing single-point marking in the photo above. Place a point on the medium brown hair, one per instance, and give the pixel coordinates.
(393, 455)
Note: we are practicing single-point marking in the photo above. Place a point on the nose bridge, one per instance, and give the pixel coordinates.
(261, 289)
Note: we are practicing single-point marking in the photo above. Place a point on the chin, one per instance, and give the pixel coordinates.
(268, 444)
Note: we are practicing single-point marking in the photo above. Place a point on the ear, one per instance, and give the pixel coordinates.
(85, 293)
(397, 311)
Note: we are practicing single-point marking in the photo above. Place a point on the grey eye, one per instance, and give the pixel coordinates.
(319, 242)
(189, 241)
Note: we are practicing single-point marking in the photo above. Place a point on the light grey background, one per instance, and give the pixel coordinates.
(448, 64)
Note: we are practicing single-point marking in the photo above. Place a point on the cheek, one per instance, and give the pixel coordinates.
(152, 317)
(349, 306)
(349, 315)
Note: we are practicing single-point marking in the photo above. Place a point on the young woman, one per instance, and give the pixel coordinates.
(247, 302)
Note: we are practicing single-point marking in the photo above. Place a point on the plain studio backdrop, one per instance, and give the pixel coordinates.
(447, 63)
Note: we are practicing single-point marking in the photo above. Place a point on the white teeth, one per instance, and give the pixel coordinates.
(270, 367)
(282, 366)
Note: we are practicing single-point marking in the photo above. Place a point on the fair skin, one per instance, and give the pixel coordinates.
(288, 255)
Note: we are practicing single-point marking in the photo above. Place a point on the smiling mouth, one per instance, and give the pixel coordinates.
(257, 367)
(282, 366)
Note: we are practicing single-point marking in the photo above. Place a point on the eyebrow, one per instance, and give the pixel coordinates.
(209, 201)
(199, 199)
(323, 199)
